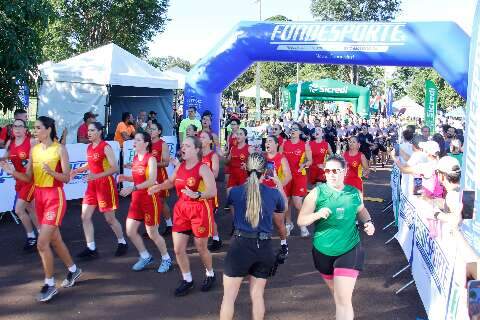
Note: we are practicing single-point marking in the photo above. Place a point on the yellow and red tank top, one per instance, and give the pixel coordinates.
(140, 170)
(319, 152)
(190, 178)
(232, 140)
(19, 154)
(276, 161)
(354, 165)
(49, 156)
(207, 160)
(96, 158)
(295, 154)
(157, 148)
(238, 156)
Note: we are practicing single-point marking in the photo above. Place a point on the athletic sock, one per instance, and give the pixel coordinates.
(144, 254)
(169, 222)
(187, 276)
(122, 240)
(209, 273)
(166, 256)
(31, 235)
(91, 245)
(282, 242)
(73, 268)
(216, 238)
(50, 281)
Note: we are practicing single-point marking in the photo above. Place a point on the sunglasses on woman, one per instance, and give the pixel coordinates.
(334, 171)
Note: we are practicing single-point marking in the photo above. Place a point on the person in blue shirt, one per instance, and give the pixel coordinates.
(253, 205)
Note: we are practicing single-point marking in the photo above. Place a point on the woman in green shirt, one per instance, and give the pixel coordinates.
(334, 209)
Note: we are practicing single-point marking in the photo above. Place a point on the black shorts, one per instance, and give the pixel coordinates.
(351, 260)
(379, 148)
(244, 258)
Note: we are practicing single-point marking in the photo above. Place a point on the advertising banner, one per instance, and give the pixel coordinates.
(431, 97)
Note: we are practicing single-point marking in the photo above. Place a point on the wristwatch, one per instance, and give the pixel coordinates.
(199, 195)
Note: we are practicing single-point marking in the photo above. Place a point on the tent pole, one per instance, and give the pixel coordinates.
(107, 110)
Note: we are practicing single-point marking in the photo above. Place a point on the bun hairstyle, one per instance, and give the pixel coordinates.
(256, 168)
(99, 127)
(48, 122)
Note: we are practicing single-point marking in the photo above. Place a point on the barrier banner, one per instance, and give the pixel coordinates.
(395, 185)
(7, 189)
(129, 153)
(406, 227)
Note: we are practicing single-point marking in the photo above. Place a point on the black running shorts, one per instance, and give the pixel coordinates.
(249, 257)
(353, 259)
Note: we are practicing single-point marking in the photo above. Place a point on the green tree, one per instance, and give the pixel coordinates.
(355, 10)
(165, 63)
(82, 25)
(20, 45)
(246, 80)
(275, 75)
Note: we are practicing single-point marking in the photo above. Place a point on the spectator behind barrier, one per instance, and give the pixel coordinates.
(82, 132)
(125, 129)
(190, 120)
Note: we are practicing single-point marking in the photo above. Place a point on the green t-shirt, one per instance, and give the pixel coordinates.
(457, 156)
(186, 122)
(338, 233)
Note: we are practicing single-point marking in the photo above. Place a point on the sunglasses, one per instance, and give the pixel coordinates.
(334, 171)
(294, 129)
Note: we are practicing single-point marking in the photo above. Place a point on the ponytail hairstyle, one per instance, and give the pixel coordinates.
(48, 122)
(146, 138)
(99, 127)
(256, 168)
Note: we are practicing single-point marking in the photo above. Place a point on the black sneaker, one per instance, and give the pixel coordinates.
(167, 231)
(88, 254)
(71, 277)
(215, 245)
(183, 288)
(46, 293)
(122, 249)
(208, 283)
(30, 244)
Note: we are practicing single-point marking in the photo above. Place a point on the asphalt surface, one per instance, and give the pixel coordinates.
(108, 289)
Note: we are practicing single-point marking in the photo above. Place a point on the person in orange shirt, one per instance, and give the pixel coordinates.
(125, 129)
(49, 169)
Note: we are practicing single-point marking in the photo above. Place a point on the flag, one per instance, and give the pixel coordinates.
(389, 105)
(431, 97)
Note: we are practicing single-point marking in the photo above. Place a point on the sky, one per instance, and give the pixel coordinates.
(196, 26)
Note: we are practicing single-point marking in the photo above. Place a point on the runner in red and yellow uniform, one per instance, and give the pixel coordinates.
(320, 150)
(161, 153)
(195, 184)
(357, 164)
(299, 157)
(101, 191)
(144, 207)
(237, 160)
(18, 152)
(210, 158)
(49, 169)
(231, 142)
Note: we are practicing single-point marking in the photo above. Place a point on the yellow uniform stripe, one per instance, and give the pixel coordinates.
(209, 214)
(155, 209)
(60, 205)
(112, 192)
(30, 193)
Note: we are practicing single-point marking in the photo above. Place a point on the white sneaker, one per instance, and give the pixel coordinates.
(304, 232)
(289, 227)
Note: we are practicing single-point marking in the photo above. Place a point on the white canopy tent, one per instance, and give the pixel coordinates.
(458, 112)
(106, 81)
(252, 93)
(412, 109)
(178, 74)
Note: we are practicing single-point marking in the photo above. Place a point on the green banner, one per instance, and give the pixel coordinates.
(431, 97)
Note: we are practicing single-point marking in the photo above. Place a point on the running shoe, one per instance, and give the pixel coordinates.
(167, 231)
(304, 232)
(122, 249)
(142, 263)
(208, 283)
(183, 288)
(165, 266)
(88, 254)
(30, 244)
(71, 278)
(215, 245)
(46, 293)
(289, 227)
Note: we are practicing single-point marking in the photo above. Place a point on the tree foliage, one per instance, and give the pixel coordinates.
(20, 45)
(165, 63)
(82, 25)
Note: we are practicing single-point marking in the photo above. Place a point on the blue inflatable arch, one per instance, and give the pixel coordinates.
(441, 45)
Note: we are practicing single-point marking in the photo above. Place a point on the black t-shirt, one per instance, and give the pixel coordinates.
(362, 139)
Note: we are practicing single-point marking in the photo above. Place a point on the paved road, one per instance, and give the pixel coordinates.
(109, 290)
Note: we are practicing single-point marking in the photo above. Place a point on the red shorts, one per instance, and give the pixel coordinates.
(316, 174)
(25, 191)
(195, 216)
(102, 193)
(355, 182)
(145, 207)
(237, 177)
(50, 205)
(297, 187)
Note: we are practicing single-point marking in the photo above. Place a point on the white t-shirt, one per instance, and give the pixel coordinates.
(417, 158)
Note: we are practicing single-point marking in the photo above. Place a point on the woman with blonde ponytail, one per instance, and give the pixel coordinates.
(253, 205)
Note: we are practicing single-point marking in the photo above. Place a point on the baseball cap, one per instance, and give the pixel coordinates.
(430, 147)
(88, 115)
(448, 165)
